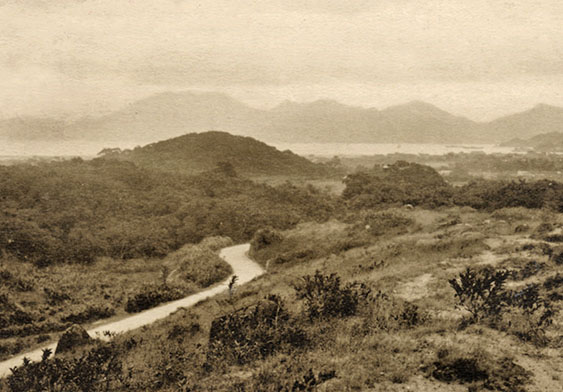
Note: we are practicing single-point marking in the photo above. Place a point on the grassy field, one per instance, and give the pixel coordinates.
(381, 315)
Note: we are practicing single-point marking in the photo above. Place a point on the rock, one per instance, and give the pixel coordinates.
(73, 337)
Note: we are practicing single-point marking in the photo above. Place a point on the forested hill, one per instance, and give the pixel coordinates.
(198, 152)
(76, 210)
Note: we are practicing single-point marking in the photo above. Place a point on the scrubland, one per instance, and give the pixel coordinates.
(403, 283)
(382, 315)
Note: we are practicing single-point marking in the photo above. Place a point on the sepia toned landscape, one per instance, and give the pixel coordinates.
(281, 196)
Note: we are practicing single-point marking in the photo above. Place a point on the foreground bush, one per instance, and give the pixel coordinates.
(481, 292)
(253, 333)
(524, 313)
(326, 297)
(95, 370)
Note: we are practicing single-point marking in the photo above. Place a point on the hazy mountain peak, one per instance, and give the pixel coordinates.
(417, 106)
(169, 114)
(544, 107)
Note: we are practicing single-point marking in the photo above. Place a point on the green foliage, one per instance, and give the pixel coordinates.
(326, 297)
(288, 379)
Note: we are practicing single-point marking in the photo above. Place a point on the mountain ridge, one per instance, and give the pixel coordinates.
(170, 114)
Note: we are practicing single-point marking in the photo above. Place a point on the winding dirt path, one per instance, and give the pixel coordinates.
(243, 267)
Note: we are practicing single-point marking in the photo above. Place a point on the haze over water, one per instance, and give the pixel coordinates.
(89, 149)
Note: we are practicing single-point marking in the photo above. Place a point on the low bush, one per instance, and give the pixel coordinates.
(326, 297)
(385, 313)
(200, 265)
(55, 297)
(9, 280)
(524, 313)
(151, 296)
(528, 314)
(264, 238)
(96, 370)
(481, 292)
(479, 370)
(557, 256)
(216, 242)
(89, 313)
(253, 333)
(288, 379)
(385, 222)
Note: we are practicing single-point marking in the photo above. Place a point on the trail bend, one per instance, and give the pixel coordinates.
(236, 256)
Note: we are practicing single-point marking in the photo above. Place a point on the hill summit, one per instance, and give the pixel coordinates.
(198, 152)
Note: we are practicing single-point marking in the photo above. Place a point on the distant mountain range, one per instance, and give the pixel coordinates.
(166, 115)
(545, 142)
(198, 152)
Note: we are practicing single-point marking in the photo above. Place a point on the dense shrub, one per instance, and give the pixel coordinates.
(528, 314)
(410, 183)
(493, 195)
(481, 292)
(400, 183)
(524, 313)
(264, 238)
(151, 296)
(200, 265)
(325, 296)
(253, 333)
(89, 313)
(9, 280)
(96, 370)
(76, 211)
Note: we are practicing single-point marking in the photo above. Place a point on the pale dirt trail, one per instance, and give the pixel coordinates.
(244, 268)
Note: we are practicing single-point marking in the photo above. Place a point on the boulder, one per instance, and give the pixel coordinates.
(74, 336)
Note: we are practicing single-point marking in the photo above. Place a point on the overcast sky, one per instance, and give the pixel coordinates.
(479, 58)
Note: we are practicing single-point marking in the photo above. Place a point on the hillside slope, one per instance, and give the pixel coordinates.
(545, 142)
(198, 152)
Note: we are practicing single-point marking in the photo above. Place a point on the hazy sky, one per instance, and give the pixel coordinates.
(479, 58)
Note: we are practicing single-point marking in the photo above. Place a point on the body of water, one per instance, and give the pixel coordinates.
(90, 148)
(356, 149)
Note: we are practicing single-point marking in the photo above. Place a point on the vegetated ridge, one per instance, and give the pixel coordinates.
(198, 152)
